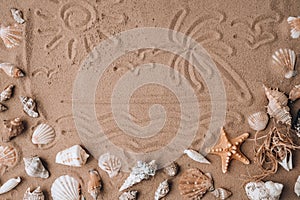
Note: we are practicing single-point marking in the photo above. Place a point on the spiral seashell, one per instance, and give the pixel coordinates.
(36, 194)
(35, 168)
(221, 193)
(29, 106)
(65, 187)
(258, 121)
(74, 156)
(297, 187)
(285, 58)
(162, 190)
(94, 184)
(279, 113)
(3, 108)
(11, 70)
(110, 163)
(130, 195)
(6, 93)
(295, 93)
(274, 94)
(287, 161)
(9, 185)
(17, 15)
(11, 35)
(8, 156)
(172, 169)
(43, 134)
(14, 128)
(194, 155)
(294, 23)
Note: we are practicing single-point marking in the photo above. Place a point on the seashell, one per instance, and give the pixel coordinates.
(193, 184)
(9, 185)
(43, 134)
(3, 108)
(11, 35)
(287, 161)
(130, 195)
(294, 23)
(171, 169)
(29, 106)
(6, 93)
(221, 193)
(110, 163)
(35, 168)
(17, 15)
(194, 155)
(14, 128)
(296, 124)
(285, 58)
(275, 94)
(279, 113)
(258, 121)
(297, 187)
(141, 171)
(66, 188)
(162, 190)
(94, 184)
(8, 156)
(37, 194)
(260, 190)
(74, 156)
(295, 93)
(11, 70)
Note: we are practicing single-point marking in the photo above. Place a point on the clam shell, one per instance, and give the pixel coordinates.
(285, 58)
(9, 185)
(297, 187)
(94, 184)
(162, 190)
(65, 188)
(35, 168)
(8, 156)
(17, 15)
(6, 93)
(43, 134)
(294, 23)
(172, 169)
(258, 121)
(110, 164)
(14, 128)
(11, 70)
(194, 155)
(295, 93)
(221, 193)
(11, 35)
(36, 194)
(130, 195)
(3, 108)
(74, 156)
(29, 106)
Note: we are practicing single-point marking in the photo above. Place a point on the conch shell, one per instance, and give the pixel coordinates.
(221, 193)
(260, 190)
(171, 169)
(36, 194)
(110, 163)
(11, 70)
(6, 93)
(130, 195)
(94, 184)
(74, 156)
(14, 128)
(295, 93)
(285, 58)
(11, 35)
(29, 106)
(194, 155)
(35, 168)
(294, 22)
(17, 15)
(162, 190)
(3, 108)
(9, 185)
(297, 187)
(258, 121)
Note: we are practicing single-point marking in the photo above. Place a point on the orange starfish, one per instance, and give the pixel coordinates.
(229, 149)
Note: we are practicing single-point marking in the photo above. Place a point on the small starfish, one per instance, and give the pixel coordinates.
(229, 149)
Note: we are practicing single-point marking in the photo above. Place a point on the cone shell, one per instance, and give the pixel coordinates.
(294, 23)
(193, 184)
(285, 58)
(14, 128)
(65, 187)
(130, 195)
(297, 187)
(43, 134)
(295, 93)
(221, 193)
(8, 156)
(29, 106)
(11, 35)
(94, 184)
(3, 108)
(172, 169)
(162, 190)
(11, 70)
(110, 164)
(7, 93)
(74, 156)
(35, 168)
(36, 194)
(258, 121)
(194, 155)
(17, 15)
(9, 185)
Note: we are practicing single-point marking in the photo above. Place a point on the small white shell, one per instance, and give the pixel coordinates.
(110, 163)
(35, 168)
(294, 22)
(43, 134)
(171, 169)
(194, 155)
(11, 70)
(74, 156)
(29, 106)
(287, 162)
(17, 15)
(162, 190)
(9, 185)
(221, 193)
(286, 58)
(6, 93)
(3, 108)
(65, 188)
(11, 35)
(36, 194)
(297, 187)
(258, 121)
(130, 195)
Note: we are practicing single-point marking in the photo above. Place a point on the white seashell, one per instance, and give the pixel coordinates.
(6, 93)
(261, 191)
(35, 168)
(29, 106)
(3, 108)
(141, 171)
(276, 95)
(17, 15)
(294, 22)
(8, 156)
(11, 70)
(74, 156)
(11, 35)
(297, 187)
(286, 58)
(194, 155)
(258, 121)
(221, 193)
(130, 195)
(110, 163)
(9, 185)
(65, 188)
(162, 190)
(171, 169)
(295, 93)
(37, 194)
(287, 162)
(279, 113)
(43, 134)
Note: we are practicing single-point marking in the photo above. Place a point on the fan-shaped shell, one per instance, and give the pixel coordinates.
(221, 193)
(294, 23)
(285, 58)
(295, 93)
(258, 121)
(29, 106)
(130, 195)
(14, 128)
(94, 184)
(43, 134)
(35, 168)
(11, 70)
(36, 194)
(3, 108)
(110, 163)
(8, 156)
(276, 95)
(17, 15)
(297, 187)
(162, 190)
(171, 169)
(9, 185)
(74, 156)
(65, 187)
(6, 93)
(193, 184)
(11, 35)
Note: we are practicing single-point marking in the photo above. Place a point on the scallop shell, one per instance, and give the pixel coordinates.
(193, 184)
(6, 93)
(294, 23)
(261, 191)
(221, 193)
(17, 15)
(285, 58)
(194, 155)
(130, 195)
(110, 163)
(11, 70)
(11, 35)
(65, 188)
(35, 168)
(37, 194)
(94, 184)
(295, 93)
(297, 187)
(171, 169)
(276, 95)
(8, 156)
(29, 106)
(3, 108)
(14, 128)
(9, 185)
(74, 156)
(258, 121)
(43, 134)
(162, 190)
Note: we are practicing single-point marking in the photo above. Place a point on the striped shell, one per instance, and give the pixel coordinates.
(9, 185)
(279, 113)
(285, 58)
(6, 93)
(74, 156)
(36, 194)
(11, 35)
(43, 134)
(65, 188)
(11, 70)
(274, 94)
(295, 93)
(294, 23)
(221, 193)
(8, 156)
(110, 164)
(258, 121)
(35, 168)
(14, 128)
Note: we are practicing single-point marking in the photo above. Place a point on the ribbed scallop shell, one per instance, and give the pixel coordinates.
(221, 193)
(297, 187)
(11, 35)
(13, 127)
(94, 184)
(294, 23)
(43, 134)
(8, 156)
(110, 163)
(9, 185)
(35, 168)
(258, 121)
(274, 94)
(285, 58)
(36, 194)
(11, 70)
(193, 184)
(6, 93)
(171, 169)
(295, 93)
(65, 188)
(130, 195)
(162, 190)
(3, 108)
(74, 156)
(29, 106)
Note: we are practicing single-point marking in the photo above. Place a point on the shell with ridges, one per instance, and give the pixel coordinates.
(11, 70)
(35, 168)
(258, 121)
(9, 185)
(297, 187)
(221, 193)
(110, 163)
(17, 15)
(130, 195)
(74, 156)
(29, 106)
(3, 108)
(11, 35)
(295, 93)
(162, 190)
(66, 188)
(285, 58)
(43, 134)
(14, 128)
(276, 95)
(171, 169)
(294, 22)
(36, 194)
(94, 184)
(194, 155)
(6, 93)
(8, 156)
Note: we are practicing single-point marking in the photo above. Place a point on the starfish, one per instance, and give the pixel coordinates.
(229, 149)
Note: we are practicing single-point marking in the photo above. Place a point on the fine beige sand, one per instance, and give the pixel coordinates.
(239, 35)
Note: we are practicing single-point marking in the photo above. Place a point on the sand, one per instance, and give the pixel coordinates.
(240, 36)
